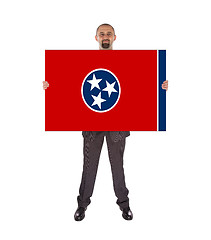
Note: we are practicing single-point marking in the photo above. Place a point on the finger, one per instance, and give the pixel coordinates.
(164, 87)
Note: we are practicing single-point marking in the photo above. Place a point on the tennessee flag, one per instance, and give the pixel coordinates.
(116, 90)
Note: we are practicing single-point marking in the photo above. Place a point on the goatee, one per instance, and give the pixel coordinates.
(105, 45)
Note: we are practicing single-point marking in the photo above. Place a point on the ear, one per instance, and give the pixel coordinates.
(96, 38)
(114, 37)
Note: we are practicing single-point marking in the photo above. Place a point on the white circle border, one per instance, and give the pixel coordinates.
(83, 85)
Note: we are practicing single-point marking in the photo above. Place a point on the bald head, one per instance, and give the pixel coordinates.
(105, 24)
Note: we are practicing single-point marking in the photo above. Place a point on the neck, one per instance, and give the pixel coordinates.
(106, 49)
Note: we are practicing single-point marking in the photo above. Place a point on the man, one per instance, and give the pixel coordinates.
(93, 142)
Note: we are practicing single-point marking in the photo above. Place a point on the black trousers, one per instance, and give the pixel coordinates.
(92, 150)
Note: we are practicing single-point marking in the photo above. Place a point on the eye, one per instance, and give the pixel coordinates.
(101, 34)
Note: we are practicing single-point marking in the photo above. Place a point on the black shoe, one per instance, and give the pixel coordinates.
(80, 213)
(127, 213)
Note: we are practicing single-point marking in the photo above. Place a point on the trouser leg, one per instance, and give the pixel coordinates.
(91, 150)
(116, 151)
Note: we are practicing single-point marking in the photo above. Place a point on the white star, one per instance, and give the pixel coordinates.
(94, 82)
(110, 88)
(98, 100)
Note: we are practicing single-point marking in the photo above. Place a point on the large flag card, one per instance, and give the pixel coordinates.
(116, 90)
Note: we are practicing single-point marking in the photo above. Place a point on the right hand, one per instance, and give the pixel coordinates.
(45, 84)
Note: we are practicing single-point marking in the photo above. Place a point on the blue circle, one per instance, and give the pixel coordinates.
(100, 90)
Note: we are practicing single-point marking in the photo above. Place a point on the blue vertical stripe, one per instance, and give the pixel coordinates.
(162, 93)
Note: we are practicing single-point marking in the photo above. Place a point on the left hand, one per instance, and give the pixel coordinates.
(165, 85)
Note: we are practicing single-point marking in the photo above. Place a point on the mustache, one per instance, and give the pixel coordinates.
(106, 40)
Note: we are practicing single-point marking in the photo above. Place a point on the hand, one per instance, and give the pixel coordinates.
(165, 85)
(45, 84)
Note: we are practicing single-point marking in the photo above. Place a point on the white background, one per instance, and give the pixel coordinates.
(167, 173)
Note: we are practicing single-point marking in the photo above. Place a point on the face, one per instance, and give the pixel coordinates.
(105, 37)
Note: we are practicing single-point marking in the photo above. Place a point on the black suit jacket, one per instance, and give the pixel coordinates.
(115, 135)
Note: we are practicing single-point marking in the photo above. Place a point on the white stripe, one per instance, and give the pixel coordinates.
(157, 90)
